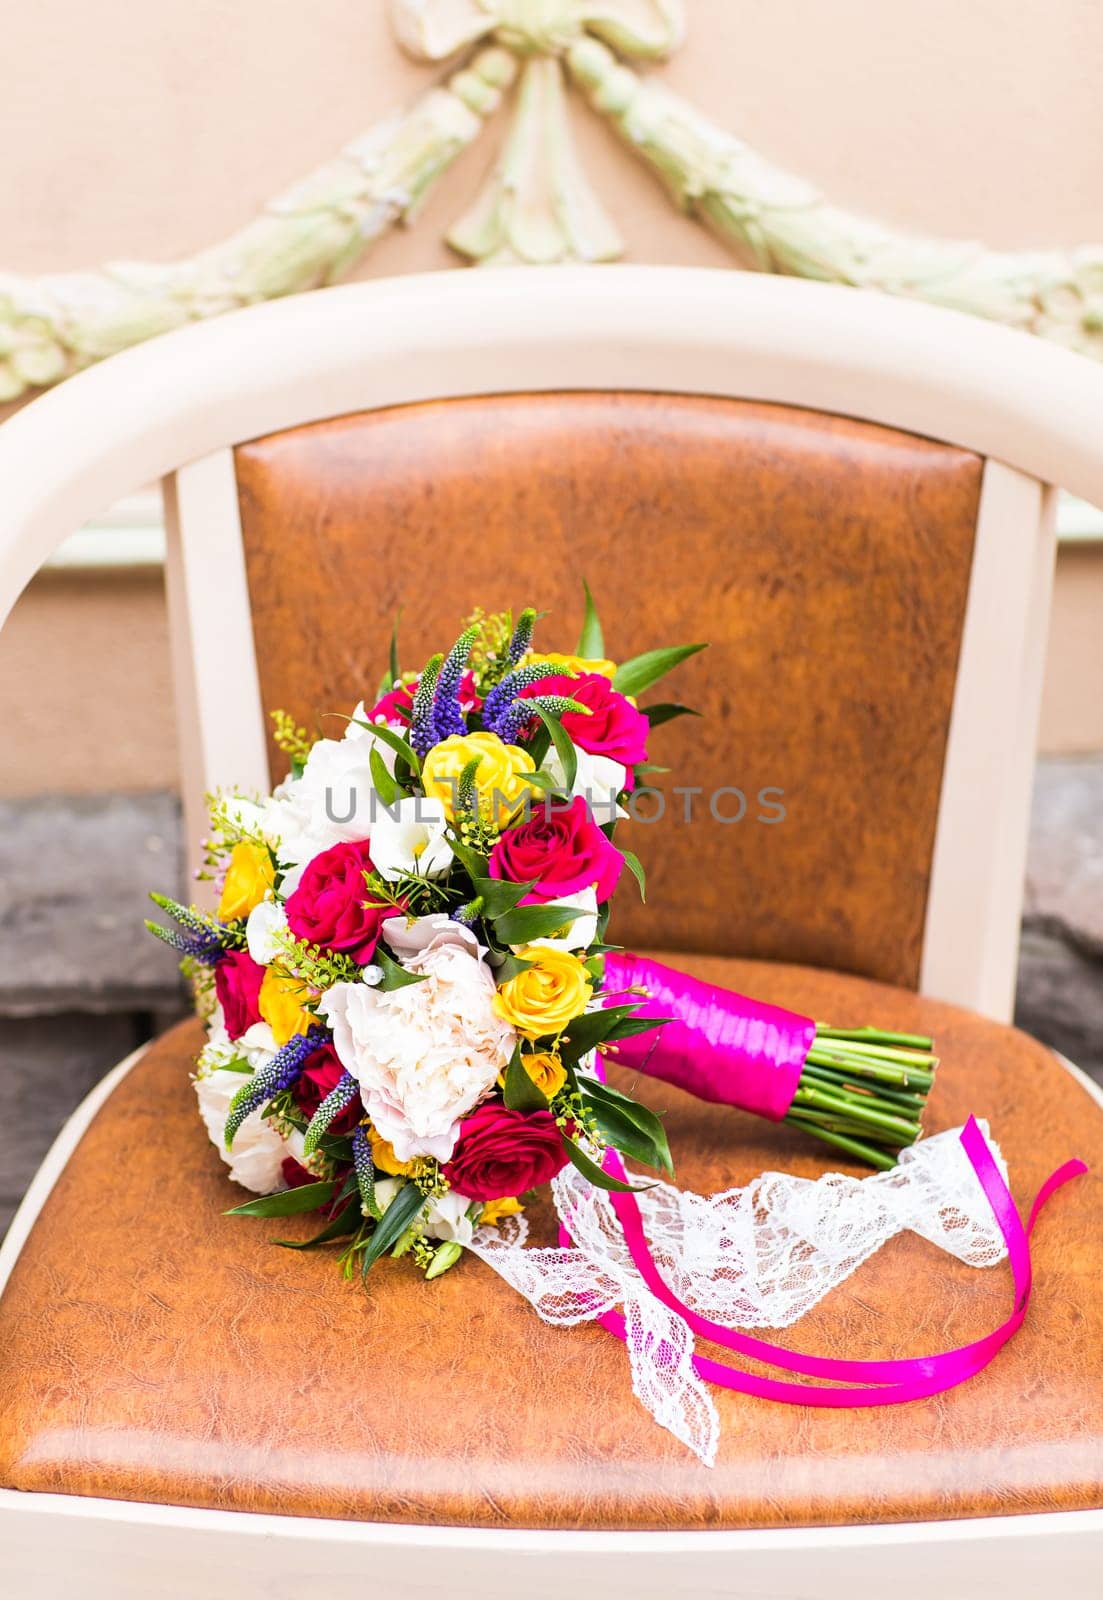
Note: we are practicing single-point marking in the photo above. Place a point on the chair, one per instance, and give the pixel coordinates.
(851, 497)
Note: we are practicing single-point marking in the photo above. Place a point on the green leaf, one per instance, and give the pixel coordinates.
(591, 641)
(385, 786)
(345, 1222)
(509, 968)
(394, 976)
(395, 674)
(289, 1202)
(633, 676)
(238, 1064)
(499, 896)
(657, 715)
(395, 1220)
(634, 1129)
(397, 743)
(630, 1026)
(470, 860)
(563, 744)
(545, 783)
(597, 1176)
(584, 1033)
(534, 922)
(519, 1092)
(635, 867)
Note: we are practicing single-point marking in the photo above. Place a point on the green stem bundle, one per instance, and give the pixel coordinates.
(864, 1091)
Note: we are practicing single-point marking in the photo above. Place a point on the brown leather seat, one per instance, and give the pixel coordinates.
(153, 1349)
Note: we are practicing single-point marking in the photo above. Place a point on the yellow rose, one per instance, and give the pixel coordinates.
(280, 1003)
(248, 879)
(499, 777)
(382, 1154)
(494, 1210)
(546, 1071)
(604, 669)
(546, 996)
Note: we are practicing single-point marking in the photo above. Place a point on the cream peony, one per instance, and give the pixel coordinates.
(258, 1151)
(425, 1054)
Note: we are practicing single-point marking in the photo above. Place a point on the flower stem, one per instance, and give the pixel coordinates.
(864, 1091)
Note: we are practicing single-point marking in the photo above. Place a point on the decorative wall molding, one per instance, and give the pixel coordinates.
(537, 205)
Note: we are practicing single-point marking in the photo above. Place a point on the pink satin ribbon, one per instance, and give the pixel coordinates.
(893, 1382)
(719, 1046)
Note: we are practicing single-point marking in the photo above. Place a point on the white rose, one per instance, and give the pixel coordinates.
(425, 1054)
(258, 1150)
(408, 838)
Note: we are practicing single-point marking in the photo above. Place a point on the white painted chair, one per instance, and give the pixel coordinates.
(176, 409)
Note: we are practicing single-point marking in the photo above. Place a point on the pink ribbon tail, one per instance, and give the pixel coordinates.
(891, 1382)
(717, 1045)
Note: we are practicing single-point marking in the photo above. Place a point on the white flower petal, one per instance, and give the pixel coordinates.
(258, 1150)
(426, 1054)
(408, 837)
(575, 935)
(265, 922)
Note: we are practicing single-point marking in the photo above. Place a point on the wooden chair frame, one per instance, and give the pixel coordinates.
(175, 408)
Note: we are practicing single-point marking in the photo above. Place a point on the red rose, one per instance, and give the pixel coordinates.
(561, 850)
(329, 908)
(237, 981)
(502, 1152)
(296, 1176)
(323, 1072)
(614, 727)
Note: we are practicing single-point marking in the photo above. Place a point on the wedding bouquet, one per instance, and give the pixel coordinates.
(400, 981)
(408, 994)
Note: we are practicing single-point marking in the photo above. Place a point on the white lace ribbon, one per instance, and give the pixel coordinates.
(756, 1257)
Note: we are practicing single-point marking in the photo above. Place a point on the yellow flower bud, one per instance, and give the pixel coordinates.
(382, 1154)
(499, 778)
(249, 877)
(545, 997)
(546, 1071)
(494, 1210)
(280, 1003)
(603, 668)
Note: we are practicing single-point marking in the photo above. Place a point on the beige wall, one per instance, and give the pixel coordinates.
(149, 131)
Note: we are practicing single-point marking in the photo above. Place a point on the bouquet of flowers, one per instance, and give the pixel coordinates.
(399, 981)
(408, 991)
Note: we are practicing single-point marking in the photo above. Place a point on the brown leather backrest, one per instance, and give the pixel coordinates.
(827, 561)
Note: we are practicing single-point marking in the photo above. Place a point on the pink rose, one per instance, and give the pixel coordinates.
(502, 1152)
(237, 981)
(560, 850)
(331, 907)
(614, 727)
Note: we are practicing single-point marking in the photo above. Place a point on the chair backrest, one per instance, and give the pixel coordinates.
(846, 495)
